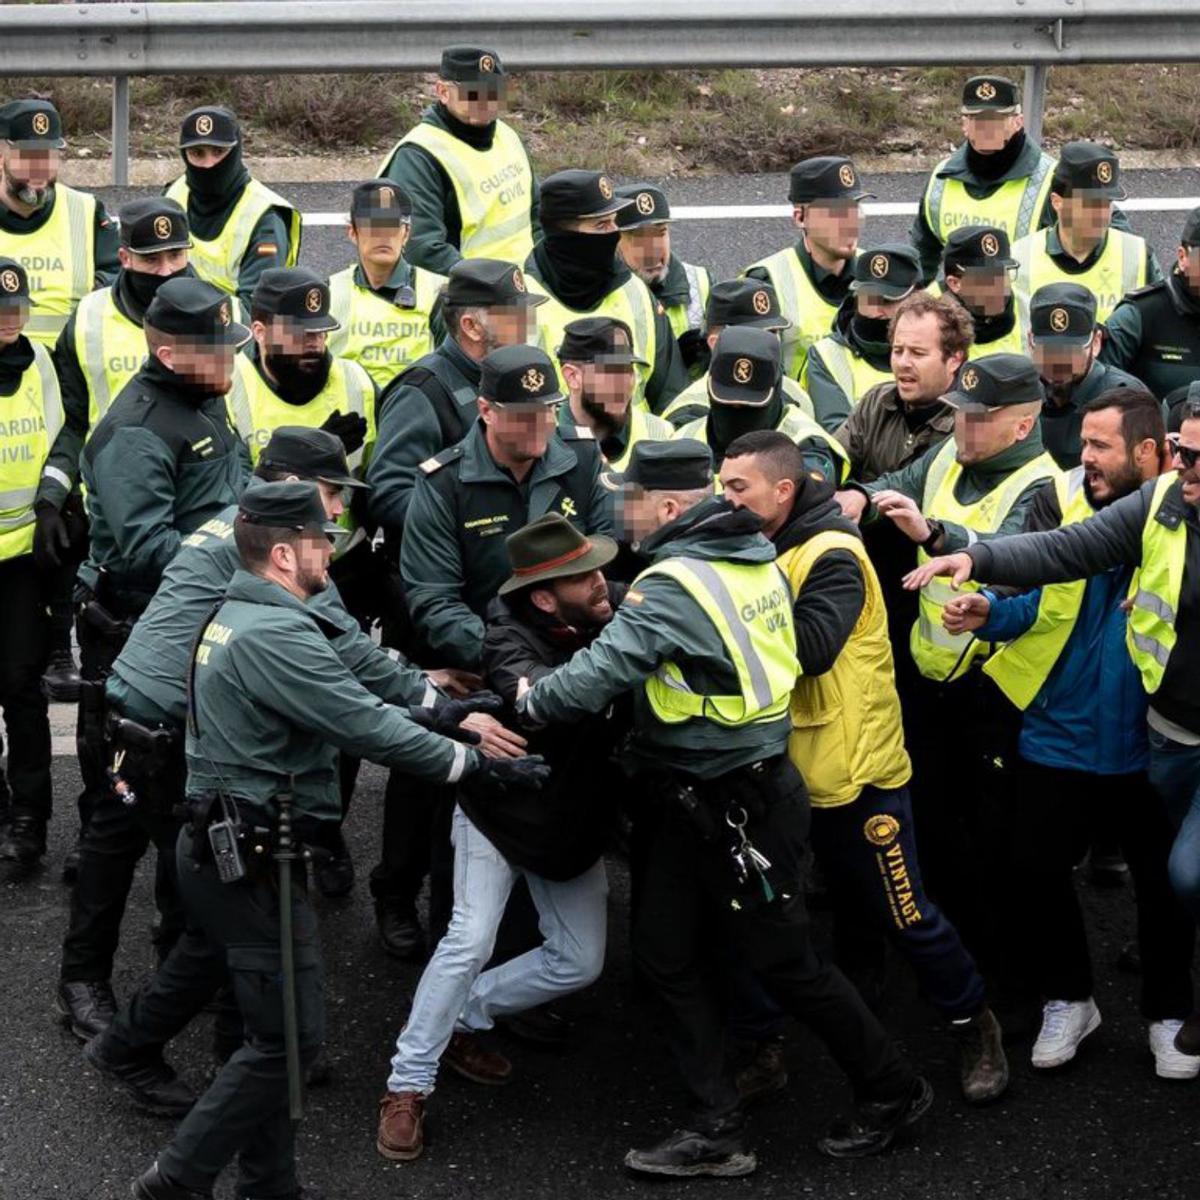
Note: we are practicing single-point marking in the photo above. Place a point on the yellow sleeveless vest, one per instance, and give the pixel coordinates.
(854, 375)
(109, 347)
(1120, 269)
(1014, 206)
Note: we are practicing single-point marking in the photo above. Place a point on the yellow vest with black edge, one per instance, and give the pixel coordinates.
(810, 313)
(940, 655)
(29, 422)
(1021, 667)
(631, 303)
(847, 731)
(643, 426)
(256, 412)
(219, 261)
(1013, 342)
(750, 607)
(696, 393)
(690, 315)
(851, 372)
(60, 260)
(1015, 206)
(494, 189)
(1155, 591)
(794, 424)
(1120, 268)
(109, 347)
(382, 337)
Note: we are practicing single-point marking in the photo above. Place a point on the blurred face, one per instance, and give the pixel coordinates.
(518, 434)
(830, 226)
(1110, 470)
(204, 157)
(165, 262)
(380, 243)
(602, 224)
(979, 436)
(471, 103)
(1188, 260)
(989, 132)
(874, 305)
(284, 338)
(306, 561)
(1189, 443)
(604, 392)
(28, 174)
(12, 321)
(576, 600)
(205, 363)
(1083, 214)
(641, 513)
(488, 329)
(984, 291)
(1060, 365)
(923, 373)
(647, 251)
(745, 485)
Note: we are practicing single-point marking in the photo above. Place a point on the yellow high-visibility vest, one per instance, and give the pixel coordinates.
(109, 347)
(851, 372)
(690, 315)
(1015, 206)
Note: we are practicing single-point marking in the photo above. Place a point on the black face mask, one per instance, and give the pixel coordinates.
(298, 377)
(580, 268)
(142, 287)
(992, 166)
(870, 329)
(213, 191)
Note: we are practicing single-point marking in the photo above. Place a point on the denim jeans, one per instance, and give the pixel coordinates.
(1175, 775)
(454, 995)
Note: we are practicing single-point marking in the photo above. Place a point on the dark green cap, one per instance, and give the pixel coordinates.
(552, 548)
(14, 284)
(570, 195)
(32, 125)
(297, 293)
(677, 465)
(310, 454)
(190, 307)
(745, 367)
(744, 302)
(1191, 229)
(1062, 313)
(153, 224)
(471, 64)
(828, 177)
(286, 504)
(381, 200)
(892, 269)
(995, 381)
(649, 206)
(1088, 167)
(977, 246)
(209, 126)
(488, 283)
(602, 340)
(990, 93)
(519, 375)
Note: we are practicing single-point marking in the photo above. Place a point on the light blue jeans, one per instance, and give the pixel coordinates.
(1175, 774)
(453, 995)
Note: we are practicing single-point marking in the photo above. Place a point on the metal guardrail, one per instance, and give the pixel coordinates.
(305, 36)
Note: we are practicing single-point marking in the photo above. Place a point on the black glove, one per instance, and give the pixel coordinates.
(350, 427)
(447, 716)
(497, 775)
(50, 536)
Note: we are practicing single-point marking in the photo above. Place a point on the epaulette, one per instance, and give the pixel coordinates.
(1158, 285)
(438, 461)
(577, 433)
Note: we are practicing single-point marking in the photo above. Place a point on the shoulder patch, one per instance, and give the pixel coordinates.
(438, 461)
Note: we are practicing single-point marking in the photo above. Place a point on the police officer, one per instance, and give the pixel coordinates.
(239, 227)
(998, 176)
(855, 356)
(812, 277)
(575, 265)
(1155, 331)
(255, 734)
(746, 394)
(749, 302)
(1064, 340)
(1080, 247)
(31, 414)
(977, 272)
(382, 303)
(510, 469)
(473, 191)
(705, 642)
(62, 237)
(681, 288)
(597, 362)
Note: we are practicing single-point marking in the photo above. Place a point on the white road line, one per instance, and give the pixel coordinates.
(760, 212)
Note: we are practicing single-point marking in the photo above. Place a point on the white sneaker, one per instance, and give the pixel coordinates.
(1168, 1062)
(1065, 1023)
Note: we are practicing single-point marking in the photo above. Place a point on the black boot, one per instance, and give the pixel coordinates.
(874, 1126)
(152, 1186)
(400, 931)
(152, 1083)
(333, 870)
(87, 1007)
(765, 1074)
(60, 681)
(689, 1152)
(26, 841)
(70, 867)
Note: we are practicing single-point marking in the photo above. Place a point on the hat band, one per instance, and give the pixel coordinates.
(551, 563)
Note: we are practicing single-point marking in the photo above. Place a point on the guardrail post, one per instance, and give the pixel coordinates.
(120, 131)
(1034, 102)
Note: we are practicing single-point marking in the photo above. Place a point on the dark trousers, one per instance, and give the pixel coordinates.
(1055, 811)
(868, 853)
(690, 897)
(24, 649)
(98, 650)
(116, 837)
(244, 1113)
(60, 583)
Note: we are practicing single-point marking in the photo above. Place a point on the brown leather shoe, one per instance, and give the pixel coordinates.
(401, 1126)
(474, 1061)
(983, 1067)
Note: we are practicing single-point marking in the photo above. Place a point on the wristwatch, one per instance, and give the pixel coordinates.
(936, 529)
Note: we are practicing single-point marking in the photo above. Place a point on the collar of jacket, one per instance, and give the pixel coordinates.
(1185, 301)
(814, 510)
(673, 290)
(713, 530)
(478, 465)
(480, 137)
(254, 589)
(942, 420)
(992, 470)
(956, 166)
(397, 288)
(1054, 248)
(1175, 510)
(13, 222)
(460, 360)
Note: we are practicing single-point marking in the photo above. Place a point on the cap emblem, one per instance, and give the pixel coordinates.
(645, 203)
(846, 175)
(41, 124)
(387, 197)
(881, 830)
(970, 379)
(606, 188)
(533, 380)
(761, 303)
(990, 245)
(487, 63)
(743, 370)
(312, 300)
(162, 228)
(518, 280)
(985, 91)
(1104, 172)
(204, 124)
(10, 281)
(1059, 320)
(223, 313)
(879, 266)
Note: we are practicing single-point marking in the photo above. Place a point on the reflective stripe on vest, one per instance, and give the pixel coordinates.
(1013, 342)
(690, 315)
(940, 655)
(109, 347)
(1021, 667)
(643, 426)
(30, 420)
(810, 313)
(219, 261)
(750, 607)
(494, 189)
(382, 337)
(851, 372)
(1155, 590)
(59, 259)
(1015, 206)
(1120, 268)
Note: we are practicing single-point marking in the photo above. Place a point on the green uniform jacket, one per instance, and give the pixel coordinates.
(974, 483)
(674, 292)
(149, 679)
(453, 557)
(437, 223)
(1155, 334)
(272, 703)
(659, 622)
(157, 466)
(1061, 423)
(423, 411)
